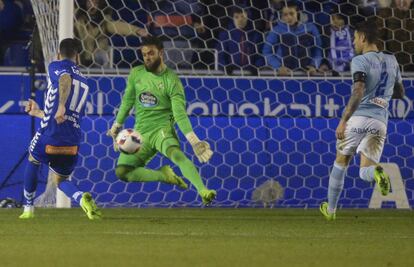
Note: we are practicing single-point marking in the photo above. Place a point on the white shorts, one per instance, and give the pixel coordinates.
(363, 135)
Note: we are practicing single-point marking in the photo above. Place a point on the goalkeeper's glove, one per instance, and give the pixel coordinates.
(201, 148)
(113, 132)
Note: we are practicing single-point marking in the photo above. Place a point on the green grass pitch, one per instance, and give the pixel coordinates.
(207, 237)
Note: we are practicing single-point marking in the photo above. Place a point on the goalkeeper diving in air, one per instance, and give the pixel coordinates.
(157, 95)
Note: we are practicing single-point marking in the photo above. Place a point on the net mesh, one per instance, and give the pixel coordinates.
(47, 18)
(274, 138)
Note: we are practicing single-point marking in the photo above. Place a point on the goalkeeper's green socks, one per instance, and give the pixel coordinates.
(187, 168)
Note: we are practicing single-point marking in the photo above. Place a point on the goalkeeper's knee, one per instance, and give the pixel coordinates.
(122, 171)
(176, 155)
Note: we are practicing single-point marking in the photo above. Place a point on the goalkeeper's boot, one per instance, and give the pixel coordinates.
(89, 207)
(207, 196)
(172, 178)
(382, 179)
(323, 208)
(28, 213)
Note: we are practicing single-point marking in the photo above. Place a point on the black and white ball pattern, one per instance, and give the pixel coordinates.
(129, 141)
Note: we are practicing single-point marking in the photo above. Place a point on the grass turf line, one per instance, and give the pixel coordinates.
(207, 237)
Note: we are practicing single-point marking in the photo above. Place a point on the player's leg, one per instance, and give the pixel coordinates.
(336, 185)
(37, 155)
(84, 199)
(131, 168)
(30, 185)
(190, 172)
(371, 149)
(345, 150)
(62, 166)
(166, 142)
(371, 170)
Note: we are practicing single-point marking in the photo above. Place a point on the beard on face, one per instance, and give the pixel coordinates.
(154, 66)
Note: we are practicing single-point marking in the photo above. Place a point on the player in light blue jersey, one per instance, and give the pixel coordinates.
(57, 141)
(363, 127)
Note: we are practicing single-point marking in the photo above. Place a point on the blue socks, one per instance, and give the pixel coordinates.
(367, 173)
(30, 182)
(336, 184)
(30, 185)
(70, 190)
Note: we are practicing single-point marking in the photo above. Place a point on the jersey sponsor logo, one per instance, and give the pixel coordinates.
(61, 150)
(368, 130)
(148, 100)
(378, 101)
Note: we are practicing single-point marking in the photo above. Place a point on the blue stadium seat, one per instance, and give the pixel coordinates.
(16, 55)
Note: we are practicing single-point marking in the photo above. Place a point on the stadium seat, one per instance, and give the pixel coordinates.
(16, 55)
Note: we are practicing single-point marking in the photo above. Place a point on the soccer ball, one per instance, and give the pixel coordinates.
(129, 141)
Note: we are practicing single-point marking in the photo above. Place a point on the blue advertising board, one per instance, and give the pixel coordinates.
(274, 142)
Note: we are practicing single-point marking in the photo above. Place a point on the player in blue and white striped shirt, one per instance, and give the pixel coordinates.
(363, 127)
(57, 141)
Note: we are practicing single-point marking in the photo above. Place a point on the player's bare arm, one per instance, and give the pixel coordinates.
(65, 83)
(399, 91)
(353, 104)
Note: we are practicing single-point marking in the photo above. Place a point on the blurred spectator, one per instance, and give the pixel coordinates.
(292, 45)
(273, 12)
(403, 5)
(179, 23)
(93, 26)
(256, 11)
(11, 18)
(312, 11)
(219, 13)
(341, 50)
(238, 45)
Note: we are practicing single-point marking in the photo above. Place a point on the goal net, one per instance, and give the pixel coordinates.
(272, 128)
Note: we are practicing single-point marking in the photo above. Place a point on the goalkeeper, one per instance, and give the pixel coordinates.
(157, 95)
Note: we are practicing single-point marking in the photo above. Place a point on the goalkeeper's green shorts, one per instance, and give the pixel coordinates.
(159, 140)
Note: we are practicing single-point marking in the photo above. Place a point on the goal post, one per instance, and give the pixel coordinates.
(66, 9)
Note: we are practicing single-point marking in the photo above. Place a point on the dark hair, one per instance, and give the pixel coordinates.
(236, 10)
(339, 16)
(291, 4)
(152, 40)
(369, 29)
(69, 47)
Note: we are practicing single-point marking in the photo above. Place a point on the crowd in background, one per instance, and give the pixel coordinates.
(229, 35)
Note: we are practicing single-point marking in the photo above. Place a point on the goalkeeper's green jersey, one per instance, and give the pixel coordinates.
(158, 100)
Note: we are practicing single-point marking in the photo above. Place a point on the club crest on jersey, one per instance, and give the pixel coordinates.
(160, 86)
(148, 100)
